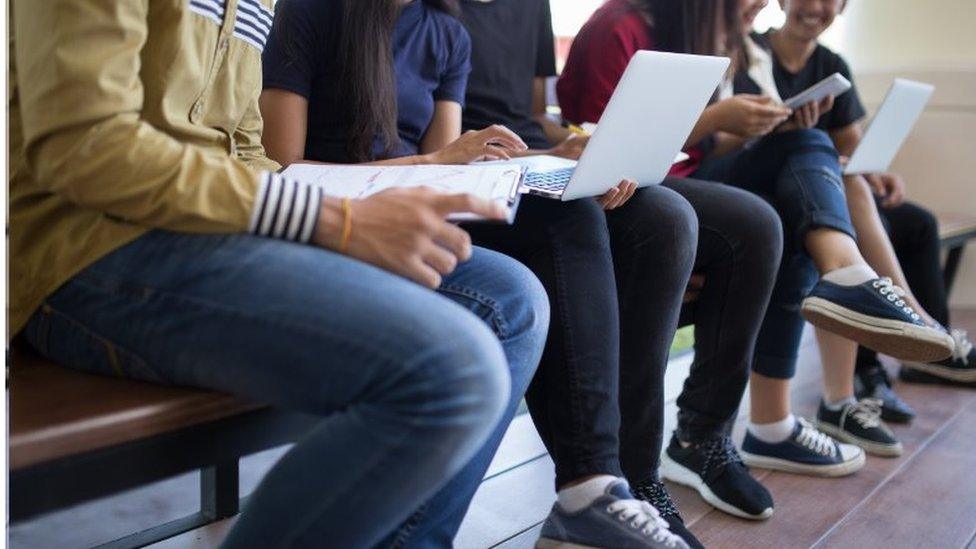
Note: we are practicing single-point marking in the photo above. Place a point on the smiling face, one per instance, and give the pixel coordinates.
(748, 11)
(808, 19)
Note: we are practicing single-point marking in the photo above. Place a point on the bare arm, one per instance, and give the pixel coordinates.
(555, 133)
(444, 128)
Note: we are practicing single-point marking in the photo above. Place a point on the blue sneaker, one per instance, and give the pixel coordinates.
(875, 315)
(614, 520)
(807, 451)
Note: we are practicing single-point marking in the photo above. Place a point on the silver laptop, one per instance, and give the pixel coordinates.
(653, 110)
(890, 127)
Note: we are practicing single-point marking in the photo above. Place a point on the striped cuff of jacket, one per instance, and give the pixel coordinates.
(285, 208)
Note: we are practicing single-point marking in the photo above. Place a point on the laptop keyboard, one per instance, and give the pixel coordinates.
(552, 180)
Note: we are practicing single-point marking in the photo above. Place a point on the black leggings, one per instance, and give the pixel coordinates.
(615, 282)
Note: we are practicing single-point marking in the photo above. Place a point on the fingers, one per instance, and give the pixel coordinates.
(877, 185)
(826, 104)
(445, 204)
(608, 198)
(500, 136)
(438, 258)
(421, 273)
(455, 240)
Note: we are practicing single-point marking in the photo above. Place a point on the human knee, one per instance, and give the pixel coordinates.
(671, 221)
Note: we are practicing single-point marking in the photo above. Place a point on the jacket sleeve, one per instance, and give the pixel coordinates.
(84, 138)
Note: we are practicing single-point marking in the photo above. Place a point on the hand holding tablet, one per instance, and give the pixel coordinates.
(833, 85)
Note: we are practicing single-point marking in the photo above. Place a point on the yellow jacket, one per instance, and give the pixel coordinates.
(128, 115)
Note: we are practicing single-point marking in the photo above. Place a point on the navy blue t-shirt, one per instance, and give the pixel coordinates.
(431, 57)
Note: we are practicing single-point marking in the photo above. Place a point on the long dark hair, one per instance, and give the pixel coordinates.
(366, 80)
(696, 26)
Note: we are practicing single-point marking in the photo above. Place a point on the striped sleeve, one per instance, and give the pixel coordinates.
(285, 208)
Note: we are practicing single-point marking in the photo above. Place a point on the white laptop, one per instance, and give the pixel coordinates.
(890, 127)
(646, 123)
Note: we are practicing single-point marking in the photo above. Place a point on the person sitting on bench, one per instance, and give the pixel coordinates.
(893, 233)
(151, 238)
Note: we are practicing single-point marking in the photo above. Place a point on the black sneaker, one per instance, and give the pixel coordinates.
(872, 382)
(960, 367)
(657, 495)
(716, 471)
(875, 315)
(860, 423)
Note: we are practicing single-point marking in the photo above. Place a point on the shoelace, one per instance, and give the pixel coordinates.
(642, 516)
(867, 412)
(962, 346)
(814, 439)
(657, 495)
(894, 294)
(719, 453)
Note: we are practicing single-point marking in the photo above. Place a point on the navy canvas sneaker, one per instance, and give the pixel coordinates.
(656, 494)
(872, 382)
(614, 520)
(806, 451)
(716, 471)
(875, 315)
(859, 423)
(960, 367)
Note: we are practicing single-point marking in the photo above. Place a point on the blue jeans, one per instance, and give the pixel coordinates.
(408, 382)
(799, 174)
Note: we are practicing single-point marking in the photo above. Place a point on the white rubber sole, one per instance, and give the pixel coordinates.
(952, 374)
(842, 469)
(675, 472)
(869, 446)
(901, 340)
(546, 543)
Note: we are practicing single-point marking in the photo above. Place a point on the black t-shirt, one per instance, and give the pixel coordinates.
(511, 44)
(822, 63)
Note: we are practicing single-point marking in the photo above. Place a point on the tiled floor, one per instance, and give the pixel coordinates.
(926, 498)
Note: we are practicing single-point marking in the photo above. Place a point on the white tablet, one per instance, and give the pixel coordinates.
(835, 84)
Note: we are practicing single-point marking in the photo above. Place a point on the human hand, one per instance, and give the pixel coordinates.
(748, 115)
(404, 231)
(808, 115)
(572, 147)
(492, 143)
(889, 186)
(617, 196)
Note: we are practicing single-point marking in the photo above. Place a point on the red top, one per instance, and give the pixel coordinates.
(600, 53)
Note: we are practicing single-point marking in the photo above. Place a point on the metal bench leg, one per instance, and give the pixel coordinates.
(951, 266)
(219, 491)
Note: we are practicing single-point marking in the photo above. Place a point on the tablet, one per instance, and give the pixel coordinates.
(835, 84)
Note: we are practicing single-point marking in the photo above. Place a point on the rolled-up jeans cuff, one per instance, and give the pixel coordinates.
(823, 220)
(694, 428)
(774, 366)
(588, 468)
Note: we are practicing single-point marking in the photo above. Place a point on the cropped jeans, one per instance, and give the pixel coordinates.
(413, 386)
(798, 172)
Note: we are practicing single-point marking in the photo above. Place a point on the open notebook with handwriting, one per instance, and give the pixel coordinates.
(498, 183)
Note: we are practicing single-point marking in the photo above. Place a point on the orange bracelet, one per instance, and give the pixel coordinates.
(346, 224)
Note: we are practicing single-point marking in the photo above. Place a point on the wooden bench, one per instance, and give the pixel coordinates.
(75, 437)
(955, 230)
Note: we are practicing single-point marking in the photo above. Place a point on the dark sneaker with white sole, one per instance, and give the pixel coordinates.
(875, 315)
(716, 471)
(959, 368)
(872, 381)
(806, 451)
(860, 423)
(655, 493)
(615, 520)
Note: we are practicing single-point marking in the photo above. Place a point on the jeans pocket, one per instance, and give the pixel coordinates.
(70, 343)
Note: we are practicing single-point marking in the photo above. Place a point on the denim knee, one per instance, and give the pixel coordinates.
(661, 217)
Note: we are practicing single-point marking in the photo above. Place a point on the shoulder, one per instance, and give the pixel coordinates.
(831, 60)
(448, 28)
(620, 23)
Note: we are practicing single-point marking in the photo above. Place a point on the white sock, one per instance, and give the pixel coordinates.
(577, 497)
(771, 433)
(851, 275)
(836, 406)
